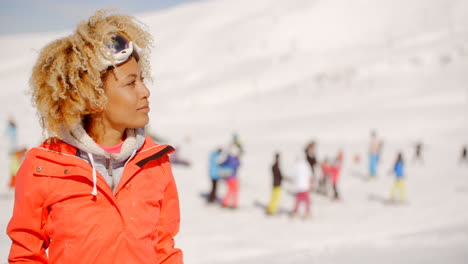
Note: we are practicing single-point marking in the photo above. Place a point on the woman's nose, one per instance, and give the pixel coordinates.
(145, 92)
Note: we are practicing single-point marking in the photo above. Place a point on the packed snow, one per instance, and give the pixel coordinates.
(283, 73)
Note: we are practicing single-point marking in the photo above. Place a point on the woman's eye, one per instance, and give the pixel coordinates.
(131, 83)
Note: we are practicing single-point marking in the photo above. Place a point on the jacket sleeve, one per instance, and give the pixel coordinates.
(29, 242)
(168, 223)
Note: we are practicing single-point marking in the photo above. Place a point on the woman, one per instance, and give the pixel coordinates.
(98, 190)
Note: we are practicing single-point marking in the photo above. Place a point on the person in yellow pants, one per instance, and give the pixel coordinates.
(275, 196)
(399, 184)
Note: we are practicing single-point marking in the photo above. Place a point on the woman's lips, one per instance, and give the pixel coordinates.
(145, 109)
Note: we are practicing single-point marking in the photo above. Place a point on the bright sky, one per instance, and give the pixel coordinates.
(24, 16)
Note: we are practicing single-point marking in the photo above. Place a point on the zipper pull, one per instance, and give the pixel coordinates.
(109, 167)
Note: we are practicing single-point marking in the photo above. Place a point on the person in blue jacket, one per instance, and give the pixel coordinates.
(214, 174)
(11, 132)
(229, 165)
(399, 183)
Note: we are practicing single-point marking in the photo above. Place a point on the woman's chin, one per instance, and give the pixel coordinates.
(141, 123)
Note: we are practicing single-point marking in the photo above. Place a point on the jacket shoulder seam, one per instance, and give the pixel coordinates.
(53, 151)
(155, 156)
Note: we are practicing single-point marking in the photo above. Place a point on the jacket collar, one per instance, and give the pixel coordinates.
(68, 153)
(81, 140)
(59, 152)
(149, 152)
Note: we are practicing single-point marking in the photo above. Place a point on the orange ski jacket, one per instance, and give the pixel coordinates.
(55, 210)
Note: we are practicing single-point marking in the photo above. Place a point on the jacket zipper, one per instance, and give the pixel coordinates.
(109, 171)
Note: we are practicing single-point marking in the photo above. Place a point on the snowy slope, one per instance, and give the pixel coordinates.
(281, 73)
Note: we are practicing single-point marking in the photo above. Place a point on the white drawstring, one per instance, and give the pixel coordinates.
(94, 192)
(131, 156)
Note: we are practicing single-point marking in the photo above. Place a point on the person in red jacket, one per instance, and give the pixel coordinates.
(325, 166)
(334, 171)
(15, 163)
(98, 190)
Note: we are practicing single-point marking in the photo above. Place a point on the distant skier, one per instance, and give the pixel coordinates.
(229, 164)
(340, 155)
(418, 153)
(379, 151)
(277, 178)
(311, 156)
(357, 158)
(301, 176)
(15, 155)
(237, 143)
(463, 157)
(15, 163)
(399, 183)
(374, 153)
(334, 173)
(214, 174)
(11, 133)
(325, 166)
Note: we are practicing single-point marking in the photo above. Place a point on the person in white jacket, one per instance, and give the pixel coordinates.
(301, 178)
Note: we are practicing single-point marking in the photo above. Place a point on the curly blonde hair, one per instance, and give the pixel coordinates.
(66, 80)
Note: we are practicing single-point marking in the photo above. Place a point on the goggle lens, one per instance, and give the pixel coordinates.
(118, 44)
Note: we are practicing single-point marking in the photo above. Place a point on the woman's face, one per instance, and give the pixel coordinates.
(127, 98)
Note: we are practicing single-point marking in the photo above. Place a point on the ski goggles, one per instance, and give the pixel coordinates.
(121, 50)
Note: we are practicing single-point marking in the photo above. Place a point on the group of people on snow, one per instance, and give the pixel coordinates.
(306, 175)
(303, 174)
(375, 150)
(223, 165)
